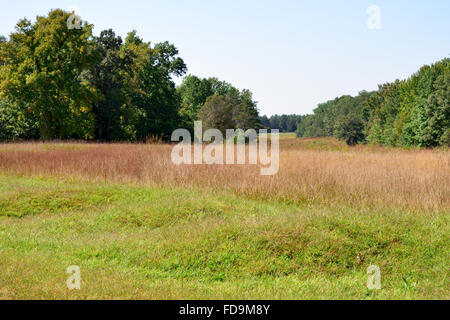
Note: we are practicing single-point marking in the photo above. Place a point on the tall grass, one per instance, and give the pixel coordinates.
(319, 171)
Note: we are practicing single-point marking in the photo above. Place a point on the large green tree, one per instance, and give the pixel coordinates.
(155, 104)
(195, 91)
(245, 113)
(217, 113)
(109, 76)
(42, 64)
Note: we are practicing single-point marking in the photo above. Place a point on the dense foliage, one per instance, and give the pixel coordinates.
(237, 108)
(41, 68)
(58, 82)
(16, 124)
(412, 112)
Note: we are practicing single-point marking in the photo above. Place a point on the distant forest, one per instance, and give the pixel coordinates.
(284, 123)
(410, 113)
(63, 83)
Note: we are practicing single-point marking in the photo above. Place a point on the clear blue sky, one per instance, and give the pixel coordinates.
(291, 54)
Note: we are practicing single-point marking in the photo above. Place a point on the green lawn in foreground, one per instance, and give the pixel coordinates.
(136, 242)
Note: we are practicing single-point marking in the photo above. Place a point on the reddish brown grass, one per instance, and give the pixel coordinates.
(309, 171)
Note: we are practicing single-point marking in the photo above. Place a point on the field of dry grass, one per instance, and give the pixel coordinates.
(311, 170)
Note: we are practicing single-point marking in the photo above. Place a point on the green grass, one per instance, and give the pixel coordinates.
(135, 242)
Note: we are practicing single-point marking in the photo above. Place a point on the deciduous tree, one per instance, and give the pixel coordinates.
(43, 62)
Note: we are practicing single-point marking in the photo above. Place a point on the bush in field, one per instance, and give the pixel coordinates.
(350, 129)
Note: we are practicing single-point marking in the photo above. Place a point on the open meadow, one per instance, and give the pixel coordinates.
(140, 227)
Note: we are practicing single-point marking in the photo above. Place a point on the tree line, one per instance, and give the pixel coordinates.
(62, 83)
(58, 82)
(410, 113)
(283, 123)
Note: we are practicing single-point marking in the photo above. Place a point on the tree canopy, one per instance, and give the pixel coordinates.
(407, 113)
(195, 92)
(58, 82)
(41, 67)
